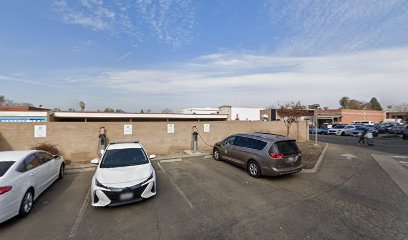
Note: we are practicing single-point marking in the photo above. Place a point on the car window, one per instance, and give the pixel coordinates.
(230, 140)
(44, 157)
(256, 144)
(5, 166)
(29, 163)
(123, 158)
(286, 147)
(242, 142)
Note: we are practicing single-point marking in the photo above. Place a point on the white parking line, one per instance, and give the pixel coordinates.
(176, 186)
(208, 156)
(171, 160)
(78, 220)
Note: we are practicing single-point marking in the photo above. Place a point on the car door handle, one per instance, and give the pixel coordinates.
(32, 174)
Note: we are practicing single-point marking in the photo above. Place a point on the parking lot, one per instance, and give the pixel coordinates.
(200, 198)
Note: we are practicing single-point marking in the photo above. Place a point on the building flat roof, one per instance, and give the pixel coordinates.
(138, 115)
(23, 114)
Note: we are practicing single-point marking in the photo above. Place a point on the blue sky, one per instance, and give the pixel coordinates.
(176, 53)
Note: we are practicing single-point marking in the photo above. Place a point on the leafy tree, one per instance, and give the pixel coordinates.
(375, 105)
(82, 105)
(2, 100)
(109, 110)
(119, 111)
(291, 112)
(344, 102)
(141, 111)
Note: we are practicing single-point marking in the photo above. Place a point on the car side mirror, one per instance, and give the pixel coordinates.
(56, 156)
(95, 161)
(152, 156)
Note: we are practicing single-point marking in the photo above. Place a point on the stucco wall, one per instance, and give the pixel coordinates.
(78, 140)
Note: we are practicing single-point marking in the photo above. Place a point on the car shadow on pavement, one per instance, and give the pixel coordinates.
(57, 188)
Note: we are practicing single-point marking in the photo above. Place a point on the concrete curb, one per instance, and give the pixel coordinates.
(79, 169)
(318, 163)
(90, 167)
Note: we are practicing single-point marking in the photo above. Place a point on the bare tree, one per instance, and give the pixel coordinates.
(167, 110)
(291, 112)
(403, 110)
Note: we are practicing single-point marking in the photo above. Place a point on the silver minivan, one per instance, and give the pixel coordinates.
(260, 153)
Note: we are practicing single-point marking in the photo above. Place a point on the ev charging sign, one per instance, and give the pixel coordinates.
(127, 129)
(170, 128)
(206, 128)
(40, 131)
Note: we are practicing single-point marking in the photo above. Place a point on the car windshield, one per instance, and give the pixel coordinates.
(340, 126)
(5, 166)
(286, 147)
(123, 158)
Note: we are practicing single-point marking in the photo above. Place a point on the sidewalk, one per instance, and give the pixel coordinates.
(91, 167)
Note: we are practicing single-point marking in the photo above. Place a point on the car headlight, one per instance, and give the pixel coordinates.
(100, 184)
(148, 179)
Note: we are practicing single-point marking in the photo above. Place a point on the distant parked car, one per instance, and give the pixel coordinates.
(24, 175)
(405, 133)
(124, 175)
(312, 130)
(260, 153)
(397, 129)
(360, 129)
(337, 130)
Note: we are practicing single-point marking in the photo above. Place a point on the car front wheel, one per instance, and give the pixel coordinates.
(216, 154)
(61, 172)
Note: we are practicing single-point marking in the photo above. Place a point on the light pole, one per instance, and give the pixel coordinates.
(316, 124)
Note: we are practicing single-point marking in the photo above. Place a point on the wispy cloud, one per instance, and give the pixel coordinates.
(83, 46)
(320, 26)
(225, 78)
(124, 56)
(171, 21)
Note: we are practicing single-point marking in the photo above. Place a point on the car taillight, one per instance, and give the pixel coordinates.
(276, 155)
(4, 189)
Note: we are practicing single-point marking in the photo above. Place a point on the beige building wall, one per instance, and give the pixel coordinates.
(79, 140)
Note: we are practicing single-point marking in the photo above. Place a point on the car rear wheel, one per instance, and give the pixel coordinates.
(216, 154)
(405, 137)
(27, 203)
(61, 172)
(253, 169)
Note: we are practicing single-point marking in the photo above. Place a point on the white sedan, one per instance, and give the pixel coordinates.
(24, 175)
(124, 175)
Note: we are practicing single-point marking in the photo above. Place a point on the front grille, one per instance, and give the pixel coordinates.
(114, 196)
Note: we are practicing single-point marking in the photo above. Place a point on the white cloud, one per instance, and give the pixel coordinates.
(320, 26)
(263, 80)
(171, 21)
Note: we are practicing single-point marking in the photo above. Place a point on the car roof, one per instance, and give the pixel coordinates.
(15, 155)
(124, 145)
(265, 136)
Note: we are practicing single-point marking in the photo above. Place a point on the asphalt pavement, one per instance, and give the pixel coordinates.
(350, 197)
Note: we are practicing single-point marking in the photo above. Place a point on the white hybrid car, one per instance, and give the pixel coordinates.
(24, 175)
(124, 175)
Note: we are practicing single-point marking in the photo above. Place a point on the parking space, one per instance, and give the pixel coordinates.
(200, 198)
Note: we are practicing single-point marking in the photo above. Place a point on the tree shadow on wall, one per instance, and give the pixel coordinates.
(4, 144)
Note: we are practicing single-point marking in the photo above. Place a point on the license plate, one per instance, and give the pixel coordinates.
(291, 159)
(126, 196)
